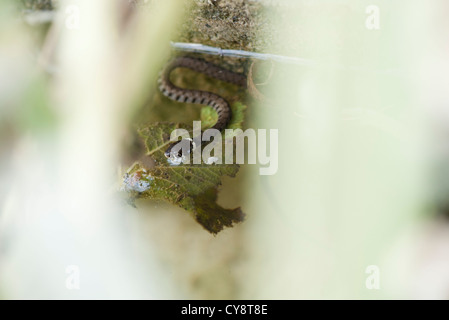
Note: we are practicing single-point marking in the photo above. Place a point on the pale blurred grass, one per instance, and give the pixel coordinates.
(353, 159)
(64, 136)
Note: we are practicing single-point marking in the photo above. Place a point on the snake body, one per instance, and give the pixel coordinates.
(218, 103)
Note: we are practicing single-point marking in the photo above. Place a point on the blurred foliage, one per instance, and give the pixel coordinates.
(35, 112)
(38, 4)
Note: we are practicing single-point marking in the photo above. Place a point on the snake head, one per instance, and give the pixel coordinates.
(178, 151)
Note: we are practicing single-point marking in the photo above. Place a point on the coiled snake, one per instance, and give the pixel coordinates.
(218, 103)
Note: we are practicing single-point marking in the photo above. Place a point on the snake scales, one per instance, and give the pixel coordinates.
(218, 103)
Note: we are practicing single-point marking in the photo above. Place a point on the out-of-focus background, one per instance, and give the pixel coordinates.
(358, 207)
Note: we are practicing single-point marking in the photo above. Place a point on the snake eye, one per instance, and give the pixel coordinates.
(167, 153)
(175, 152)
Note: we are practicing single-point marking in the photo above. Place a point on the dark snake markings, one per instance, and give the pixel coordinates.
(218, 103)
